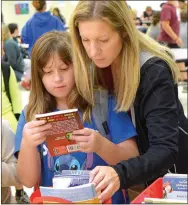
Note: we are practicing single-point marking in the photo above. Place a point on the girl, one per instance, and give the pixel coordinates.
(53, 88)
(107, 43)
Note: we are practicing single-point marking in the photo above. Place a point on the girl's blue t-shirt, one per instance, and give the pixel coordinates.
(120, 128)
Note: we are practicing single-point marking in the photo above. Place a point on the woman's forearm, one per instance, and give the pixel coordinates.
(29, 165)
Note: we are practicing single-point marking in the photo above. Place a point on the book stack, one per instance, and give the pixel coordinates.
(174, 190)
(175, 186)
(72, 186)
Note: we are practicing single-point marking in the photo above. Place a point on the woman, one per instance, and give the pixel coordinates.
(107, 44)
(154, 29)
(56, 12)
(41, 22)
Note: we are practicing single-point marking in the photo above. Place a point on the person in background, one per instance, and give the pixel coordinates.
(9, 162)
(11, 109)
(183, 27)
(182, 4)
(56, 12)
(170, 25)
(183, 35)
(147, 14)
(138, 22)
(161, 5)
(109, 51)
(154, 29)
(13, 54)
(41, 22)
(14, 32)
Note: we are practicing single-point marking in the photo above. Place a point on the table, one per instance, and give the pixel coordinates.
(180, 54)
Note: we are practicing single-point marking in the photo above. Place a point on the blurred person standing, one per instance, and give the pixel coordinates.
(154, 29)
(183, 27)
(9, 174)
(41, 22)
(57, 13)
(13, 54)
(11, 109)
(182, 4)
(170, 25)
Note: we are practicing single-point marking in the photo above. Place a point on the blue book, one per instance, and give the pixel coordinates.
(71, 178)
(175, 186)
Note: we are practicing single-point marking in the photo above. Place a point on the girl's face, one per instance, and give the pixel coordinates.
(102, 44)
(58, 78)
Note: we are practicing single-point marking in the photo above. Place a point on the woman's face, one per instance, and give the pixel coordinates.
(102, 44)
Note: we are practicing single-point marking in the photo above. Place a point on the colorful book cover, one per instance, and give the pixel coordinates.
(175, 186)
(63, 124)
(74, 194)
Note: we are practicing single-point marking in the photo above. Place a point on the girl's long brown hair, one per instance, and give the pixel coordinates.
(40, 101)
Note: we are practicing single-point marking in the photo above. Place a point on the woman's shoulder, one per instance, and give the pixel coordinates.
(154, 65)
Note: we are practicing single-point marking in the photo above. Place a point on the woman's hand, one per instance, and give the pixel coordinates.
(89, 140)
(106, 180)
(34, 132)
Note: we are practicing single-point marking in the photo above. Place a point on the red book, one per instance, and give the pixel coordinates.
(63, 124)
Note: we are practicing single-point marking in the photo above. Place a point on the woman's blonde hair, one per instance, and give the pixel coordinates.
(5, 32)
(40, 101)
(118, 15)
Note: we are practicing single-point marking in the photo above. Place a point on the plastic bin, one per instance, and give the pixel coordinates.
(155, 190)
(36, 198)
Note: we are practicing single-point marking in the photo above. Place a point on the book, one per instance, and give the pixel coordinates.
(79, 193)
(175, 186)
(163, 201)
(64, 122)
(71, 178)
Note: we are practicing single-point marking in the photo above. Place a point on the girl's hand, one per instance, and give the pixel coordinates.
(34, 132)
(89, 140)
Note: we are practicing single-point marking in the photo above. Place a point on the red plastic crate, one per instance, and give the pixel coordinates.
(36, 198)
(155, 190)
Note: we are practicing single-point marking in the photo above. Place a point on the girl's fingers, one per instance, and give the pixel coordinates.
(83, 132)
(79, 138)
(35, 123)
(40, 135)
(41, 128)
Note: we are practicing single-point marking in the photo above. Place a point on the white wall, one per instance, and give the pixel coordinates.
(8, 10)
